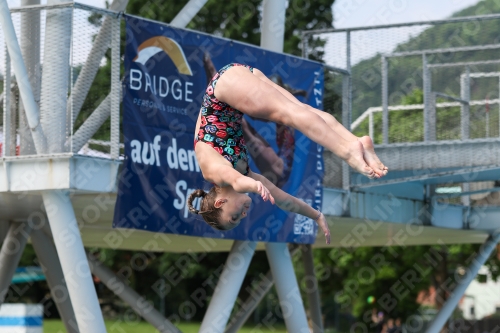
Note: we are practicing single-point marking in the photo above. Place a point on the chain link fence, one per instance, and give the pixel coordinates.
(71, 53)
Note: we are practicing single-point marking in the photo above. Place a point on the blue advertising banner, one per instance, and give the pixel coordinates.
(166, 73)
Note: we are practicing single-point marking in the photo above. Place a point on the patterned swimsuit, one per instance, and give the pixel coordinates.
(220, 125)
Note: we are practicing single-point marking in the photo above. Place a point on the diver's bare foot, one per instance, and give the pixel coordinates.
(371, 158)
(356, 160)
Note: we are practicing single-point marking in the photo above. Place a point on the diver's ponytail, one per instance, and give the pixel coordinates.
(208, 211)
(194, 195)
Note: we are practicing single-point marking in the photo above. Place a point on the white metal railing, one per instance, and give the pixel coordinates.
(374, 109)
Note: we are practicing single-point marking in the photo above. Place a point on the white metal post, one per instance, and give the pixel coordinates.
(273, 25)
(228, 286)
(370, 125)
(385, 101)
(55, 76)
(452, 302)
(182, 19)
(6, 106)
(74, 262)
(465, 108)
(427, 96)
(431, 118)
(487, 111)
(115, 89)
(14, 96)
(30, 48)
(287, 287)
(346, 175)
(22, 78)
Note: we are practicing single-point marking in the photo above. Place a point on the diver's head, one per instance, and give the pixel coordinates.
(222, 207)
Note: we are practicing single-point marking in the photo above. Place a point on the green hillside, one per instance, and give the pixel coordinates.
(405, 77)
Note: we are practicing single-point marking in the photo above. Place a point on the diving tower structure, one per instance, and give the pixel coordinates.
(60, 195)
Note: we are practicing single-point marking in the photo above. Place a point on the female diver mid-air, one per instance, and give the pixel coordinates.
(222, 153)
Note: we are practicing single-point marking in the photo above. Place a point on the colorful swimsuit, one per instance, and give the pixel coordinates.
(220, 125)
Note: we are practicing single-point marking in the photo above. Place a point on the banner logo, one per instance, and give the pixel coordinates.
(161, 43)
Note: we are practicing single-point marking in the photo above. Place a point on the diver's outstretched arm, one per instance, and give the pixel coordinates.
(292, 204)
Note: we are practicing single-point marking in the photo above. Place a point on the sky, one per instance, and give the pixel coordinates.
(357, 13)
(360, 13)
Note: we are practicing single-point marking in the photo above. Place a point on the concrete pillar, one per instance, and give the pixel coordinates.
(228, 287)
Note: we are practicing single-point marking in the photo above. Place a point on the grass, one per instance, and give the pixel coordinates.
(57, 326)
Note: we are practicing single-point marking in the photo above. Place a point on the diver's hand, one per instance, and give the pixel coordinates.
(263, 192)
(324, 226)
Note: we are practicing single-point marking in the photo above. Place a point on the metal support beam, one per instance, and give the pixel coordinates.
(4, 230)
(484, 252)
(22, 77)
(129, 296)
(30, 48)
(305, 53)
(346, 109)
(465, 63)
(371, 130)
(187, 13)
(257, 295)
(228, 286)
(87, 130)
(287, 287)
(248, 307)
(312, 290)
(74, 262)
(465, 108)
(452, 98)
(89, 70)
(47, 256)
(10, 254)
(385, 101)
